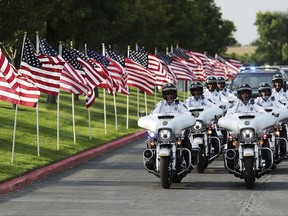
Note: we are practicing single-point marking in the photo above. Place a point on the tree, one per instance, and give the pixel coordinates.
(272, 45)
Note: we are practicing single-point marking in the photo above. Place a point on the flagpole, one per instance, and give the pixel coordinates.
(127, 111)
(14, 133)
(104, 99)
(58, 106)
(73, 109)
(37, 109)
(88, 110)
(16, 107)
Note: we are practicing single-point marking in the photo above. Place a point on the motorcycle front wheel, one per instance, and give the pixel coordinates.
(249, 174)
(164, 172)
(202, 164)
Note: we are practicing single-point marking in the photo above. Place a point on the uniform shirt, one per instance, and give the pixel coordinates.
(240, 107)
(175, 107)
(202, 101)
(270, 102)
(215, 96)
(281, 95)
(228, 93)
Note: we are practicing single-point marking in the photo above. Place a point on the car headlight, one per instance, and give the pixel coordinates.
(198, 127)
(165, 134)
(247, 134)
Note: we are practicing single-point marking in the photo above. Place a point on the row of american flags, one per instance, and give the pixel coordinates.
(47, 71)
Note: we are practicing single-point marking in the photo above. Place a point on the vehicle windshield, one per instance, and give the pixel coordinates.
(254, 79)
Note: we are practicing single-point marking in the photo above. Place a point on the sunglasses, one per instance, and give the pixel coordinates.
(169, 93)
(195, 90)
(245, 92)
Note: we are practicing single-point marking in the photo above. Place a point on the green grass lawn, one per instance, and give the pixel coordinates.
(26, 158)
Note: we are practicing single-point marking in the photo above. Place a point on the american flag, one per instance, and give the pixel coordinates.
(203, 60)
(193, 62)
(101, 60)
(68, 81)
(26, 93)
(46, 49)
(8, 71)
(218, 67)
(179, 70)
(155, 65)
(44, 71)
(232, 66)
(138, 76)
(93, 71)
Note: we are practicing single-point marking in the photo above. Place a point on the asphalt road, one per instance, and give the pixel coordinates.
(116, 183)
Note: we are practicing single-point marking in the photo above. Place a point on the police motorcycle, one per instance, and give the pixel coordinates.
(278, 136)
(164, 154)
(248, 154)
(205, 135)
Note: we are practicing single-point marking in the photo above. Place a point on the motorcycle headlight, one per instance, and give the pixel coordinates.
(247, 134)
(198, 127)
(165, 134)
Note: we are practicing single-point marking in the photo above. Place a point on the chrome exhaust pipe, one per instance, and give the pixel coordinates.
(230, 154)
(148, 154)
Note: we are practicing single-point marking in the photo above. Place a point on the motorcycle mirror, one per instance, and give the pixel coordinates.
(275, 114)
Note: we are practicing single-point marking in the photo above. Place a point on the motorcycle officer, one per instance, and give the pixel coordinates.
(279, 90)
(212, 91)
(170, 104)
(245, 103)
(266, 99)
(221, 84)
(197, 98)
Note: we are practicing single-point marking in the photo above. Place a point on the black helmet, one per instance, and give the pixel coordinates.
(169, 87)
(196, 85)
(242, 88)
(211, 80)
(221, 79)
(278, 77)
(264, 86)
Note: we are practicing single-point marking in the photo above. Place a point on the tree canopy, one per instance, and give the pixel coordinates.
(191, 24)
(272, 45)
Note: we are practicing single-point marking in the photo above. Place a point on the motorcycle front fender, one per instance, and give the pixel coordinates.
(248, 152)
(164, 152)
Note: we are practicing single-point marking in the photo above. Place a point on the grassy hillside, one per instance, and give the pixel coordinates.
(241, 50)
(26, 158)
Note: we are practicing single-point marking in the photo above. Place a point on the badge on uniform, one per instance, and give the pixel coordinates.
(251, 108)
(175, 108)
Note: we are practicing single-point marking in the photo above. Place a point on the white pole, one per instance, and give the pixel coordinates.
(73, 118)
(104, 97)
(104, 103)
(37, 110)
(146, 109)
(138, 102)
(58, 127)
(37, 128)
(89, 118)
(14, 133)
(58, 107)
(89, 123)
(127, 111)
(115, 111)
